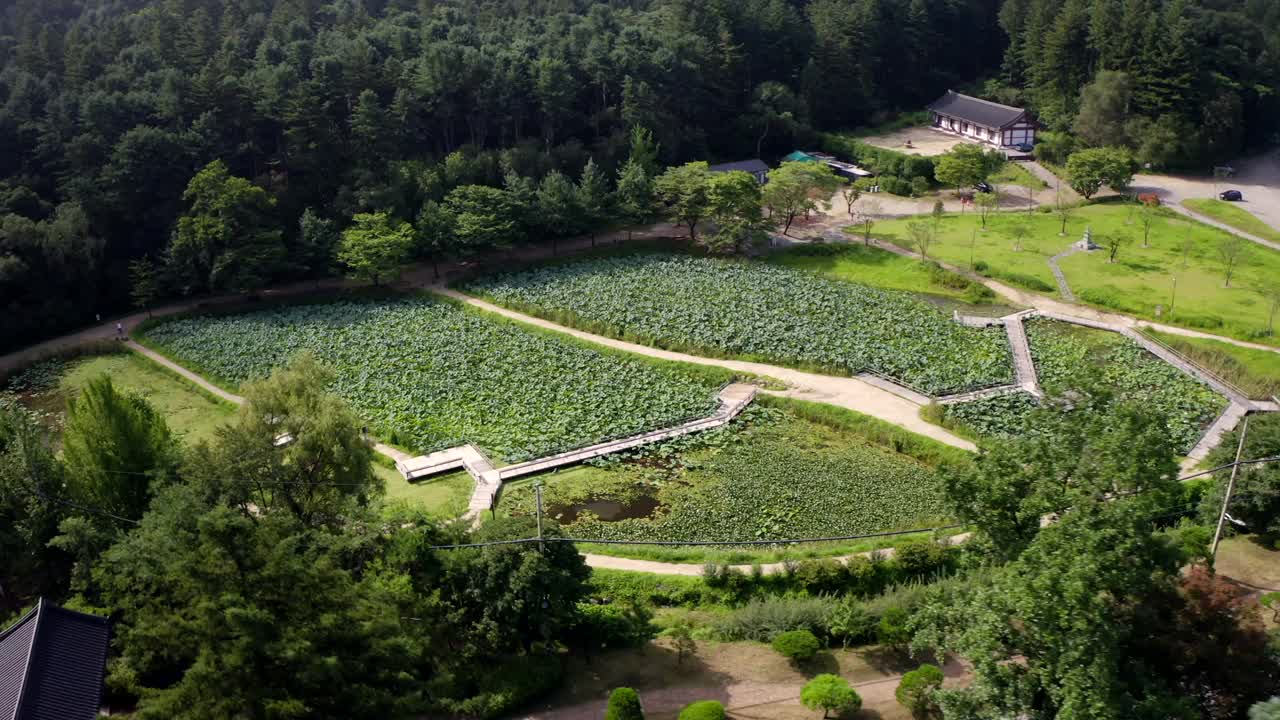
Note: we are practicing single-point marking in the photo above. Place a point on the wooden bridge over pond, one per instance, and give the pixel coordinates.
(733, 399)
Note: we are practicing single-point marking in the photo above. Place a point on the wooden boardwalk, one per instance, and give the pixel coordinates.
(733, 399)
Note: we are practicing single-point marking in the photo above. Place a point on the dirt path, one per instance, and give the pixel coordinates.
(749, 679)
(218, 392)
(845, 392)
(418, 274)
(610, 562)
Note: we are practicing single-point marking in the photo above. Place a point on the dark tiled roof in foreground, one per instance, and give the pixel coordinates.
(752, 166)
(976, 110)
(51, 665)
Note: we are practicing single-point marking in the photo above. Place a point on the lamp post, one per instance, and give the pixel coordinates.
(1173, 296)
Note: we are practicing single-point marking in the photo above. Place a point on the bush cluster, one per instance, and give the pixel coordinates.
(703, 710)
(797, 645)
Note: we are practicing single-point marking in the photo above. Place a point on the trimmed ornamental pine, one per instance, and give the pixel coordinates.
(831, 694)
(432, 375)
(703, 710)
(797, 645)
(752, 309)
(624, 704)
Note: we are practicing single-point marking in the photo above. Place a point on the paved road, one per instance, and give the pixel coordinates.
(1257, 177)
(846, 392)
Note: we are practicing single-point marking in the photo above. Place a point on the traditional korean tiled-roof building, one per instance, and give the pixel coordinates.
(52, 662)
(983, 120)
(755, 166)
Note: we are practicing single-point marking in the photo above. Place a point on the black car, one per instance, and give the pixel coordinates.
(1026, 147)
(982, 187)
(1231, 195)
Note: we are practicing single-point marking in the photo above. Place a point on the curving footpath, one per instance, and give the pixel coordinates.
(609, 562)
(218, 392)
(846, 392)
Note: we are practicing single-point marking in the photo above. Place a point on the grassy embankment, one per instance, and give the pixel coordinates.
(1236, 217)
(1257, 372)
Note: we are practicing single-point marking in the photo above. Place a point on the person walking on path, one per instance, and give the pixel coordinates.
(119, 331)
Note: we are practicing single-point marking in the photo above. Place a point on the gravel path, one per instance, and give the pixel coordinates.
(1063, 288)
(845, 392)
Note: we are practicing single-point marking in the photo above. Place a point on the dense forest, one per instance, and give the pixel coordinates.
(109, 108)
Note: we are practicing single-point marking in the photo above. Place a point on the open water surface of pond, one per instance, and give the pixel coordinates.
(605, 509)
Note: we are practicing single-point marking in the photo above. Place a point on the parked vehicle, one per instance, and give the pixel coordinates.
(1231, 195)
(1025, 147)
(982, 187)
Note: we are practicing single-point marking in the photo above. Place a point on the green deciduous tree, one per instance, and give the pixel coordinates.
(1088, 170)
(559, 212)
(228, 238)
(922, 235)
(965, 165)
(32, 496)
(375, 246)
(483, 217)
(830, 694)
(294, 448)
(733, 205)
(684, 191)
(798, 188)
(1232, 250)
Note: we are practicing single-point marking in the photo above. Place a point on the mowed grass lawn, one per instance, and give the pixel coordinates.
(1236, 217)
(871, 265)
(195, 416)
(1141, 278)
(962, 241)
(191, 413)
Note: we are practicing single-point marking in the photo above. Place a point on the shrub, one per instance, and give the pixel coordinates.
(703, 710)
(977, 293)
(1027, 281)
(919, 185)
(915, 692)
(611, 626)
(797, 645)
(892, 630)
(921, 559)
(851, 623)
(821, 576)
(624, 704)
(830, 693)
(761, 620)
